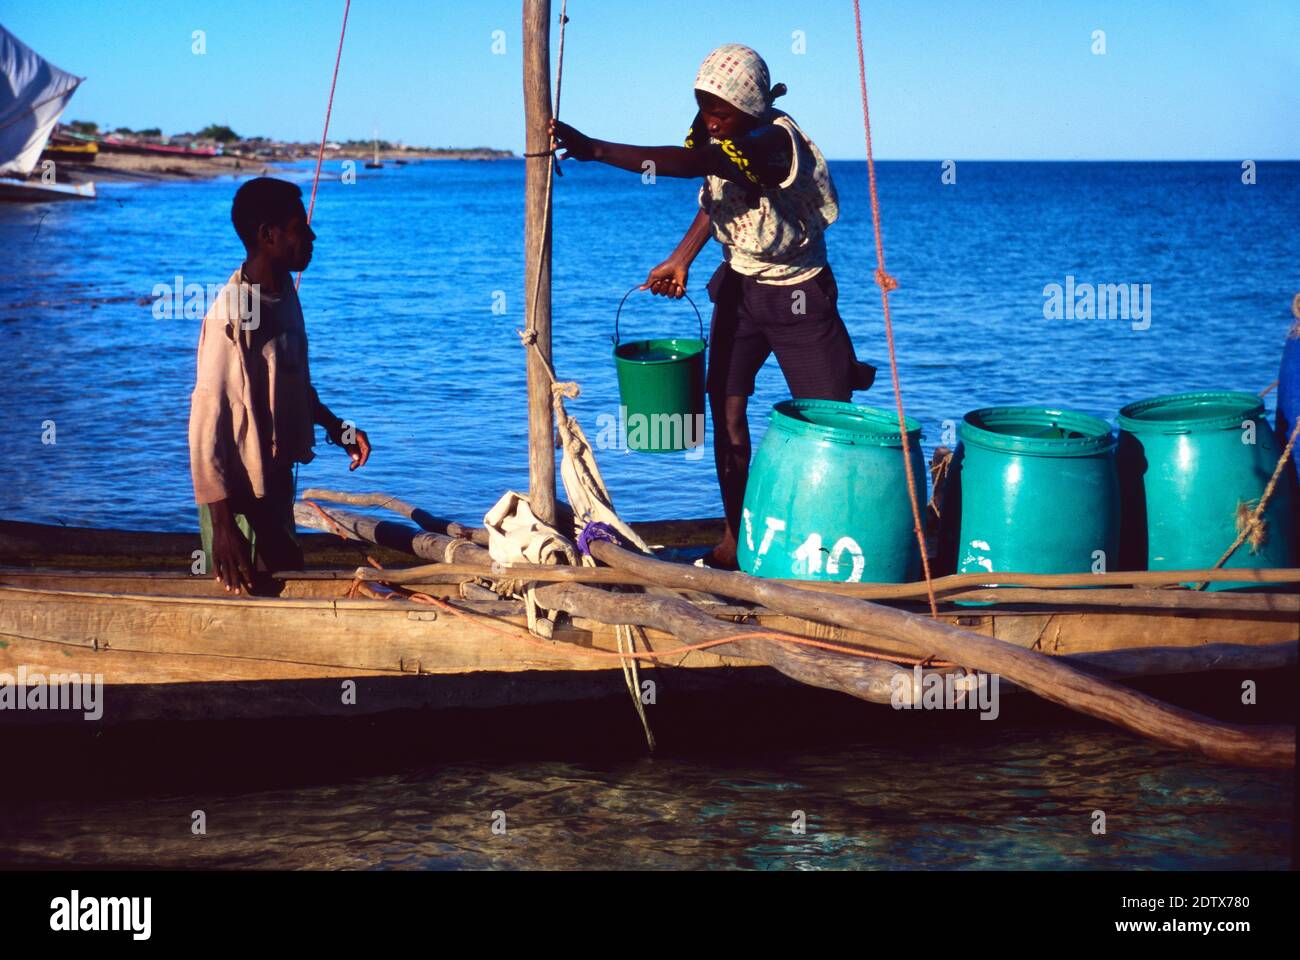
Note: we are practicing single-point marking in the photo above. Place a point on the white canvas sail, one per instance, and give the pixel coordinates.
(33, 92)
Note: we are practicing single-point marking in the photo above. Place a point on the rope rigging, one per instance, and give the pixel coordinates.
(886, 284)
(324, 134)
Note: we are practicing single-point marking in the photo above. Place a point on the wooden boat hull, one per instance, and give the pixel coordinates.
(78, 153)
(29, 191)
(177, 655)
(160, 149)
(171, 645)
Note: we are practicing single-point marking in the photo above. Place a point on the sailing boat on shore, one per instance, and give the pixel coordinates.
(375, 164)
(33, 95)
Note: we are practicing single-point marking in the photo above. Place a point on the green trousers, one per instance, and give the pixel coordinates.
(267, 524)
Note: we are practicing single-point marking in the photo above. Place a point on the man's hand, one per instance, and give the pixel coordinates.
(579, 146)
(229, 550)
(359, 449)
(668, 279)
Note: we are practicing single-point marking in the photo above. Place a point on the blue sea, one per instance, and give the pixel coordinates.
(409, 340)
(413, 301)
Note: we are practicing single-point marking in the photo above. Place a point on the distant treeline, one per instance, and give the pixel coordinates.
(221, 133)
(213, 131)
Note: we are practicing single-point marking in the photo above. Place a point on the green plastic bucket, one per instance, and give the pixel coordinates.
(1032, 490)
(661, 388)
(1188, 463)
(827, 496)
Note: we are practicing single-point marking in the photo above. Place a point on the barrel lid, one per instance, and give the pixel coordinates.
(1037, 431)
(841, 422)
(1189, 412)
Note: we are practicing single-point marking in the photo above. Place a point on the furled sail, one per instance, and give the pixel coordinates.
(33, 92)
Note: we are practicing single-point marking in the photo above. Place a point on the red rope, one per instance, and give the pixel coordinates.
(324, 134)
(887, 283)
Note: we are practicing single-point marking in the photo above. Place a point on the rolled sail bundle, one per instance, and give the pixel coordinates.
(1193, 467)
(1032, 490)
(827, 496)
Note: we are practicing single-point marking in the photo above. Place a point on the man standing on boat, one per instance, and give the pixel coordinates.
(253, 411)
(767, 198)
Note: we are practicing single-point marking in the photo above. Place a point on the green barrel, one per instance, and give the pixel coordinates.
(1189, 464)
(661, 389)
(1032, 490)
(827, 496)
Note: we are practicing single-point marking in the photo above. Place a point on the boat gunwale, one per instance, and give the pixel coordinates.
(1079, 603)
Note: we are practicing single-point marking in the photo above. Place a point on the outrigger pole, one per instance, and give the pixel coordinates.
(537, 255)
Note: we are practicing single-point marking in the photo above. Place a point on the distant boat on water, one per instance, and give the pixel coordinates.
(33, 95)
(375, 164)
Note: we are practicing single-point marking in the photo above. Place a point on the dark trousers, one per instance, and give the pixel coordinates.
(799, 322)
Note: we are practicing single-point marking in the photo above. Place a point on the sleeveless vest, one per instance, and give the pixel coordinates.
(780, 238)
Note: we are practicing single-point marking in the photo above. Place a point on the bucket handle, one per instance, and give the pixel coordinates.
(698, 316)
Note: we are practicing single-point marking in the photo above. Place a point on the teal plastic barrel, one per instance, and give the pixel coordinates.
(827, 496)
(1032, 490)
(661, 389)
(1190, 463)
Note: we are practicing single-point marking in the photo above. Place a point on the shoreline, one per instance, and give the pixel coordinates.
(148, 168)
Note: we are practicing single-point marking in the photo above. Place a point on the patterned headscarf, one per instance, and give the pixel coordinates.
(738, 75)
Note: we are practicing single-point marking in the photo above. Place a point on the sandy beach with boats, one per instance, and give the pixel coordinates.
(127, 168)
(113, 167)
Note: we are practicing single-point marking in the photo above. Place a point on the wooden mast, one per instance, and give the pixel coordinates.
(537, 255)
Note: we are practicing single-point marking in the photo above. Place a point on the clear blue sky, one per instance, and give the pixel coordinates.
(1010, 79)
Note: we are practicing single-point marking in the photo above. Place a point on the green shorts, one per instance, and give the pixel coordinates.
(266, 523)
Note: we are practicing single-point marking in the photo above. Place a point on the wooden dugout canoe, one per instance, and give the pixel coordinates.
(170, 645)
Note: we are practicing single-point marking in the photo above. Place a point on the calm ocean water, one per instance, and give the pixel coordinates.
(405, 341)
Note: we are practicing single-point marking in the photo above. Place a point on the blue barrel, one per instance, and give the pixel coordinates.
(827, 496)
(1033, 490)
(1193, 465)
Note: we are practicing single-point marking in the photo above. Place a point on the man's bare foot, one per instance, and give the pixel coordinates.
(720, 557)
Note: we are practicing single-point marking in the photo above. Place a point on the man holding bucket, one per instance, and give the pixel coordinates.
(767, 198)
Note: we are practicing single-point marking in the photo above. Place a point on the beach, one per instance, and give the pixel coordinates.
(116, 167)
(141, 168)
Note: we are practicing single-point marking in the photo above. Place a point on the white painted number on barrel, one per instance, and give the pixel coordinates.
(859, 562)
(774, 526)
(808, 558)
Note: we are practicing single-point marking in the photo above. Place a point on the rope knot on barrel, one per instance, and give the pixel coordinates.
(1251, 526)
(885, 281)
